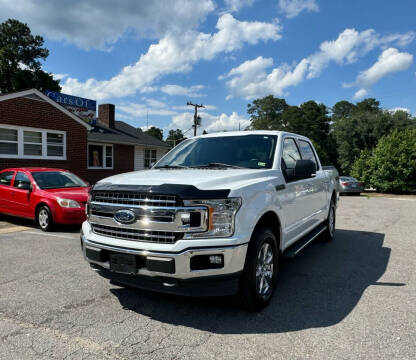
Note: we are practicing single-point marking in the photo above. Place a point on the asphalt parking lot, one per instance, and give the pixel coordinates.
(353, 298)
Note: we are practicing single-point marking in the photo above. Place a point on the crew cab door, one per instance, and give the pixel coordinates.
(6, 178)
(295, 198)
(315, 185)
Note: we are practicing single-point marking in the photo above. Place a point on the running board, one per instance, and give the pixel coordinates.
(301, 244)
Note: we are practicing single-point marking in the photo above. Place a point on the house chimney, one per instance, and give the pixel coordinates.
(106, 115)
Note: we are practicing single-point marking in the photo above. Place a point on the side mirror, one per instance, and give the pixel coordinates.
(304, 169)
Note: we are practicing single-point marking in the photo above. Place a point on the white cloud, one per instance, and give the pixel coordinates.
(154, 103)
(176, 53)
(237, 5)
(99, 24)
(360, 94)
(292, 8)
(182, 91)
(210, 123)
(141, 110)
(390, 60)
(145, 128)
(60, 76)
(250, 79)
(399, 109)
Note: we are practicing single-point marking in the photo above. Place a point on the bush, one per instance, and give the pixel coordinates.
(391, 167)
(361, 168)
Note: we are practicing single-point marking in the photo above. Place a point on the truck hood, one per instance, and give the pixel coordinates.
(204, 179)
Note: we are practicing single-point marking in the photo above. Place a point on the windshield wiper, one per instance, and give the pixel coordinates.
(171, 167)
(217, 165)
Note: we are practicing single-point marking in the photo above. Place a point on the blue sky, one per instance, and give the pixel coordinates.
(154, 56)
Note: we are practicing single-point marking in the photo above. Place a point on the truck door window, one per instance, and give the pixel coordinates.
(307, 152)
(290, 153)
(289, 156)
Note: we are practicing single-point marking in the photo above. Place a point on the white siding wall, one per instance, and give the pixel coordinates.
(139, 155)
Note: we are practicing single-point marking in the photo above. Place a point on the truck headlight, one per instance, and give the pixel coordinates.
(68, 203)
(221, 214)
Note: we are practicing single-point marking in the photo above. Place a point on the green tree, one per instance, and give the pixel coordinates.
(360, 130)
(175, 137)
(393, 162)
(20, 55)
(391, 166)
(342, 109)
(361, 167)
(266, 113)
(155, 132)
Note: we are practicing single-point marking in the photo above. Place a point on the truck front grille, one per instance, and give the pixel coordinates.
(137, 199)
(163, 237)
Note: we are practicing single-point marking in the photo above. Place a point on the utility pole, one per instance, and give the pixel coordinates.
(147, 120)
(196, 106)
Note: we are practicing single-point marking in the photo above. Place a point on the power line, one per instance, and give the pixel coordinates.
(196, 117)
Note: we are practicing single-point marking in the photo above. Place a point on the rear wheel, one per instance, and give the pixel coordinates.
(258, 281)
(44, 218)
(329, 233)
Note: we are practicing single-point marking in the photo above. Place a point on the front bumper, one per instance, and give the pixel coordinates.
(344, 190)
(183, 280)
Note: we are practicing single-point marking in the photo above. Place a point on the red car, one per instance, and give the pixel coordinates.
(49, 196)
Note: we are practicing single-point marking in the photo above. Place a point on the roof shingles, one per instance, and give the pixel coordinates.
(123, 133)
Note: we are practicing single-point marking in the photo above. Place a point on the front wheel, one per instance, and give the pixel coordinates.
(258, 280)
(44, 218)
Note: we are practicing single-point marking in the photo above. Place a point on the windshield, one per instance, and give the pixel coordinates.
(245, 151)
(57, 180)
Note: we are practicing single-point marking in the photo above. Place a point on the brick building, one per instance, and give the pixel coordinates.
(37, 131)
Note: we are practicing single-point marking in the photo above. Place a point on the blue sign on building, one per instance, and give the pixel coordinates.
(80, 106)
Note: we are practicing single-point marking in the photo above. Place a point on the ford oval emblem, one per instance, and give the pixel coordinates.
(125, 216)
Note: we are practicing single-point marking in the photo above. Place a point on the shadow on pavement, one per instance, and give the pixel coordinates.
(319, 288)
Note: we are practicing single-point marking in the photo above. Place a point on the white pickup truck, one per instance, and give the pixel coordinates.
(213, 217)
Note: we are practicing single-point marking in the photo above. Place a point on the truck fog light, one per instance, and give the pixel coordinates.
(206, 262)
(216, 259)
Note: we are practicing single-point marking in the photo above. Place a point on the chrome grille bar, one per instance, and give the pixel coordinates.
(125, 198)
(135, 235)
(158, 218)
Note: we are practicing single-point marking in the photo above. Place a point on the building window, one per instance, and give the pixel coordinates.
(55, 144)
(8, 142)
(30, 143)
(149, 158)
(100, 156)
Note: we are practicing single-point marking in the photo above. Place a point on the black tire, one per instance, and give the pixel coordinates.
(250, 292)
(329, 234)
(44, 218)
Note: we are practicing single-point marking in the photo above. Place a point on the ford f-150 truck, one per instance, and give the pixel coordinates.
(213, 217)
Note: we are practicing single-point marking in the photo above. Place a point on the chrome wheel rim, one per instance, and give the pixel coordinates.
(43, 218)
(331, 221)
(264, 270)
